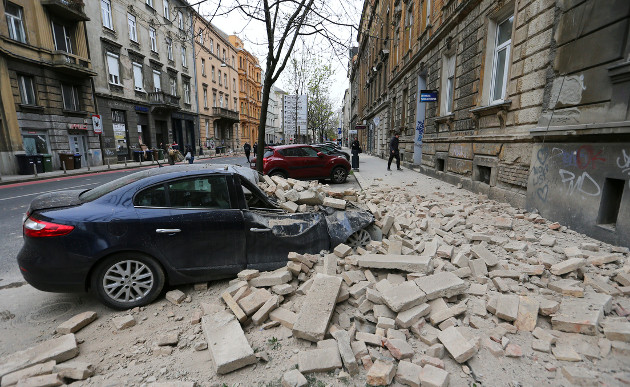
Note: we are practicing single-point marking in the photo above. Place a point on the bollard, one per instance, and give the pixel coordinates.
(63, 165)
(35, 169)
(125, 161)
(152, 158)
(108, 166)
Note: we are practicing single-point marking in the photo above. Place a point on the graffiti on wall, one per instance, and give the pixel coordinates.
(419, 133)
(623, 162)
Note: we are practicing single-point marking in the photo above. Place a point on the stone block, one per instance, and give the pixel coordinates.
(431, 376)
(565, 352)
(567, 287)
(507, 307)
(330, 265)
(527, 314)
(408, 374)
(319, 360)
(436, 350)
(283, 289)
(35, 370)
(442, 284)
(617, 330)
(123, 322)
(227, 343)
(541, 346)
(456, 344)
(312, 321)
(339, 204)
(342, 250)
(294, 378)
(176, 296)
(233, 305)
(262, 314)
(290, 207)
(399, 349)
(254, 301)
(445, 314)
(381, 373)
(76, 370)
(567, 266)
(578, 316)
(370, 338)
(170, 339)
(76, 323)
(248, 274)
(580, 376)
(351, 277)
(58, 349)
(404, 296)
(486, 255)
(346, 352)
(409, 263)
(50, 380)
(284, 316)
(407, 318)
(357, 290)
(425, 333)
(269, 279)
(478, 267)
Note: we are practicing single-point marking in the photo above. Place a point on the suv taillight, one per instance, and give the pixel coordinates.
(36, 228)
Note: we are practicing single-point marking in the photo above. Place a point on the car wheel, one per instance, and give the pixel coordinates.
(360, 238)
(339, 175)
(278, 173)
(128, 280)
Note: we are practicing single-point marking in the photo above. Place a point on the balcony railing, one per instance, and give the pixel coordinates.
(71, 64)
(225, 113)
(162, 99)
(67, 9)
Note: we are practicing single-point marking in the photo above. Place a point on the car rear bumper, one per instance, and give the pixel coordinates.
(54, 272)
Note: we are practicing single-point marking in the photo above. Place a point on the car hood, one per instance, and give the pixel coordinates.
(342, 224)
(56, 200)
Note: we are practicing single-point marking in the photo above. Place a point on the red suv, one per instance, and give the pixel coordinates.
(303, 162)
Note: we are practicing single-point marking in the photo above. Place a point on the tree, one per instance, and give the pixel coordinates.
(320, 107)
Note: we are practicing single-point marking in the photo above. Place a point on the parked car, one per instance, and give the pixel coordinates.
(127, 239)
(331, 150)
(301, 161)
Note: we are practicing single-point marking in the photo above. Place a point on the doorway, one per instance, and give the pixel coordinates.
(78, 144)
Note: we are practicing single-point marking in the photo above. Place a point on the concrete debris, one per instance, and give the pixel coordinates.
(123, 322)
(294, 378)
(227, 343)
(60, 349)
(381, 373)
(176, 296)
(76, 323)
(312, 321)
(319, 360)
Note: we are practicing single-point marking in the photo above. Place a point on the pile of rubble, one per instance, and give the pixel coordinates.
(456, 288)
(302, 196)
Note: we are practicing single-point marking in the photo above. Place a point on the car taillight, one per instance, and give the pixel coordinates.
(36, 228)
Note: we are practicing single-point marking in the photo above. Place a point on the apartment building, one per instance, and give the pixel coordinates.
(217, 86)
(46, 104)
(273, 128)
(250, 86)
(506, 98)
(145, 88)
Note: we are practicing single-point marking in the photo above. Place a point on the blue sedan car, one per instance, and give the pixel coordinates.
(127, 239)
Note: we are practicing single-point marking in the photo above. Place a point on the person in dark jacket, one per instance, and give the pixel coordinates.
(355, 147)
(247, 148)
(255, 148)
(394, 152)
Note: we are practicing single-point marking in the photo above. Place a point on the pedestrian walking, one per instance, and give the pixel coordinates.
(255, 148)
(355, 149)
(189, 155)
(394, 152)
(247, 148)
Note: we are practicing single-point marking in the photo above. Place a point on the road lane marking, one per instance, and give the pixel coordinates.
(40, 193)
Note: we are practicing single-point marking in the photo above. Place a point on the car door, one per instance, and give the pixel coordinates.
(272, 234)
(196, 230)
(314, 166)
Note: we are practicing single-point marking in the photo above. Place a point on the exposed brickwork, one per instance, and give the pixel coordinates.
(514, 174)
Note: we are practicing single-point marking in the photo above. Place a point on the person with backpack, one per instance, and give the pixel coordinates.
(394, 152)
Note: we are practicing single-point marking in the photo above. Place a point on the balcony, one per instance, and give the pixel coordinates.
(71, 64)
(66, 9)
(160, 100)
(226, 114)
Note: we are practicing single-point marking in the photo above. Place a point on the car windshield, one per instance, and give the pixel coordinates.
(106, 188)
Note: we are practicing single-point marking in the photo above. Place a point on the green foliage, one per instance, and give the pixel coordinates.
(273, 383)
(312, 381)
(274, 343)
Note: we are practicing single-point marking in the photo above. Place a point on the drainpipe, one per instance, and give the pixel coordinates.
(100, 136)
(192, 41)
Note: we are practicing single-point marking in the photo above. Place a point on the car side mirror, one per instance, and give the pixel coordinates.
(320, 154)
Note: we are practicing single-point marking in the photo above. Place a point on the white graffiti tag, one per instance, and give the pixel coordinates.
(625, 164)
(583, 184)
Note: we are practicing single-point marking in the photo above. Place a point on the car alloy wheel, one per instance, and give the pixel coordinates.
(128, 280)
(360, 238)
(339, 175)
(278, 173)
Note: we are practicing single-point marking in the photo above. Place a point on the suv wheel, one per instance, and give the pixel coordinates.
(278, 173)
(339, 175)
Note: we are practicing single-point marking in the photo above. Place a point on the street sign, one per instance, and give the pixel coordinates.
(338, 130)
(428, 95)
(97, 124)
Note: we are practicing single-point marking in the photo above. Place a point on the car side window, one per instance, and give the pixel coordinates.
(199, 192)
(151, 197)
(290, 152)
(309, 152)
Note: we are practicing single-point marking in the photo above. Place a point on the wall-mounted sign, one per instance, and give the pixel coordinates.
(77, 126)
(359, 127)
(377, 120)
(142, 109)
(97, 124)
(428, 95)
(352, 131)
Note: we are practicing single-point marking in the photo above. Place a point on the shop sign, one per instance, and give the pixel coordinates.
(142, 109)
(97, 124)
(119, 131)
(77, 126)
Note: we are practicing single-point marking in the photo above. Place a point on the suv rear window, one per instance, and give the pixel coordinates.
(268, 153)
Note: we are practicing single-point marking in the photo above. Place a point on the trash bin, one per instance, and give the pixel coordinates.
(161, 154)
(47, 158)
(154, 152)
(138, 155)
(67, 158)
(26, 162)
(77, 160)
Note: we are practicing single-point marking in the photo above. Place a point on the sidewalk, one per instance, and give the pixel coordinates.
(12, 179)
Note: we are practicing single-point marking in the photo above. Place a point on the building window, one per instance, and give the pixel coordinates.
(235, 106)
(113, 68)
(428, 21)
(224, 54)
(138, 79)
(448, 84)
(220, 78)
(501, 57)
(150, 3)
(200, 36)
(27, 91)
(187, 92)
(233, 61)
(409, 24)
(214, 99)
(213, 80)
(106, 14)
(184, 63)
(35, 142)
(157, 84)
(169, 48)
(203, 67)
(70, 97)
(173, 83)
(205, 97)
(220, 99)
(62, 37)
(180, 18)
(234, 84)
(218, 49)
(167, 14)
(153, 38)
(225, 82)
(207, 127)
(211, 45)
(133, 32)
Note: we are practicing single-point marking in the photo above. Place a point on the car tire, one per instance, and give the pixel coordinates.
(339, 175)
(114, 288)
(278, 173)
(360, 238)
